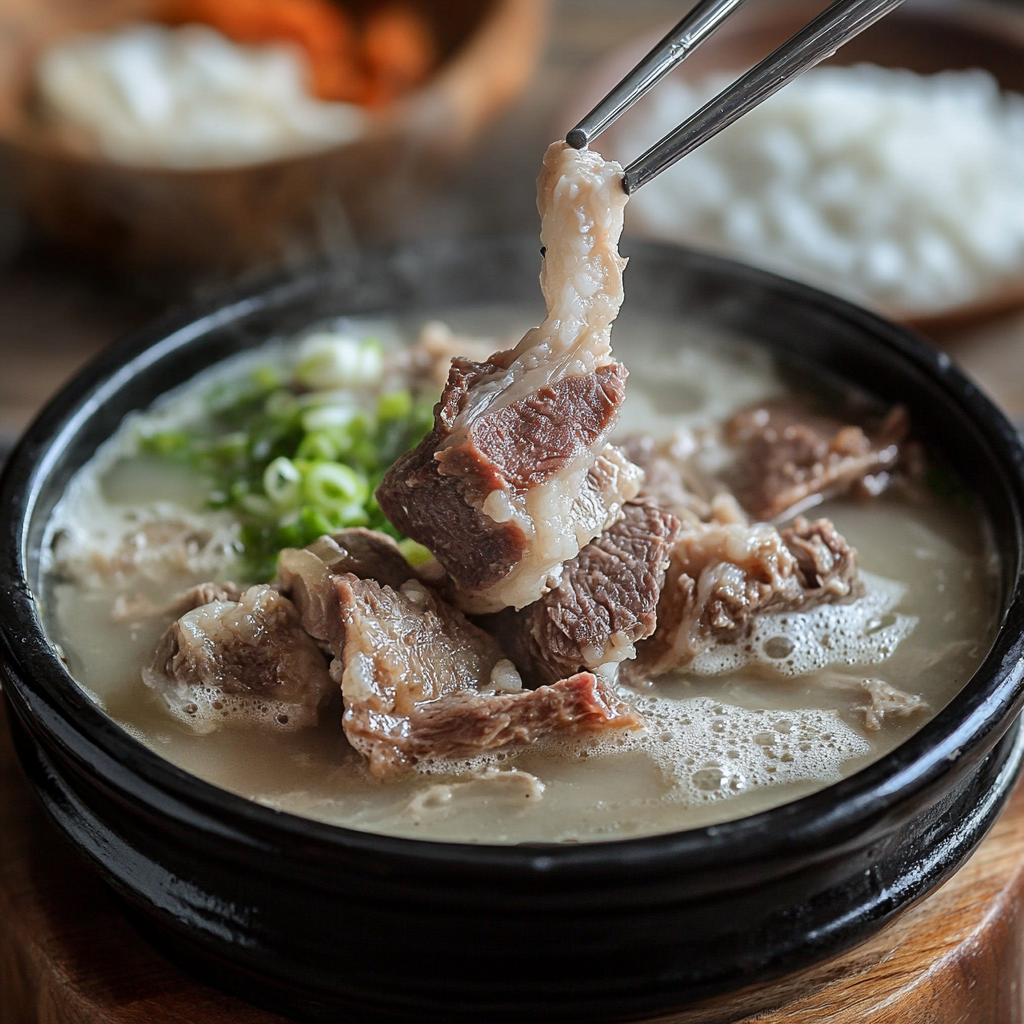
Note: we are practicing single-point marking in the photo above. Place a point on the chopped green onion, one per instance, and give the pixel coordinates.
(394, 405)
(283, 482)
(335, 361)
(267, 378)
(166, 443)
(317, 447)
(326, 416)
(257, 505)
(298, 453)
(281, 405)
(314, 523)
(335, 487)
(415, 554)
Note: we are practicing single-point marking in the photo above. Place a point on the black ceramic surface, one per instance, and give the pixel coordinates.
(323, 923)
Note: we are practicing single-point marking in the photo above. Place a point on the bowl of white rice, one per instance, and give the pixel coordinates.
(892, 175)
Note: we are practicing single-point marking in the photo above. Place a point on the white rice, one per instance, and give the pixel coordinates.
(188, 97)
(901, 190)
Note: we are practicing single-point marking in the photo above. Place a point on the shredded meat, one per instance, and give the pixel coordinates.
(406, 646)
(789, 458)
(254, 647)
(494, 491)
(720, 576)
(885, 701)
(826, 566)
(604, 603)
(412, 670)
(465, 724)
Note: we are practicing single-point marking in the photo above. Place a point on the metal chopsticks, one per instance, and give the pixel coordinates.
(818, 39)
(668, 54)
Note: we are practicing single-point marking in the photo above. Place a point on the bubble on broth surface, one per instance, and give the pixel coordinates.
(712, 750)
(864, 632)
(709, 750)
(204, 709)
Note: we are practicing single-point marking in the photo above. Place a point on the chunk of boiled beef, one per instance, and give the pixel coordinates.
(789, 457)
(368, 554)
(503, 489)
(305, 575)
(604, 603)
(826, 566)
(722, 575)
(415, 676)
(234, 662)
(467, 724)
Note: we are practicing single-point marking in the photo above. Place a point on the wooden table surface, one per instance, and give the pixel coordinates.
(66, 954)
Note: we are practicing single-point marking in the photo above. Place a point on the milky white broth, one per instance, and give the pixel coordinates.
(716, 747)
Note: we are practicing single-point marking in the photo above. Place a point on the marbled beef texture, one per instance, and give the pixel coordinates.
(722, 575)
(443, 498)
(405, 646)
(466, 724)
(789, 457)
(494, 490)
(254, 647)
(604, 603)
(419, 681)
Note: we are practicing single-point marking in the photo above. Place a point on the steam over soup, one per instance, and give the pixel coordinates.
(422, 580)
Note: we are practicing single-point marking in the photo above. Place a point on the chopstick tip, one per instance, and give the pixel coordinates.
(577, 138)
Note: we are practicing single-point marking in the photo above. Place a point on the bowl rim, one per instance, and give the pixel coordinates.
(48, 700)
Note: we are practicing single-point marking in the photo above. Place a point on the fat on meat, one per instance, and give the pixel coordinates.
(306, 575)
(723, 574)
(466, 724)
(419, 682)
(253, 648)
(510, 483)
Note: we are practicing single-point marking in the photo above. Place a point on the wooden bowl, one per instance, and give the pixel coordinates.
(926, 38)
(173, 228)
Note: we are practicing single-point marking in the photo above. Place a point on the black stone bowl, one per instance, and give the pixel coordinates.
(322, 923)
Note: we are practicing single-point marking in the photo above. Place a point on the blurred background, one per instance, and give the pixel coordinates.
(152, 150)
